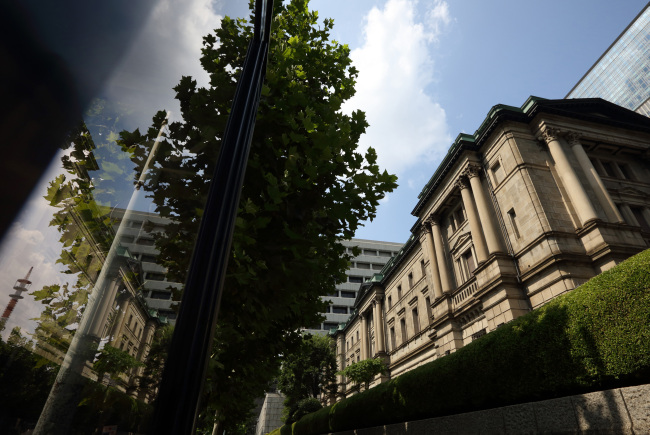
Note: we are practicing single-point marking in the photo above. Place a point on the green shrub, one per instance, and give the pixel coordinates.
(595, 337)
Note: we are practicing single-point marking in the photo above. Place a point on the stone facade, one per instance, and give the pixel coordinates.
(539, 200)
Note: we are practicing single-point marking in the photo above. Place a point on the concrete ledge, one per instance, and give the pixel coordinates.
(616, 412)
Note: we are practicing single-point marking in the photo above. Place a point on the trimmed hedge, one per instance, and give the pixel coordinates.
(593, 338)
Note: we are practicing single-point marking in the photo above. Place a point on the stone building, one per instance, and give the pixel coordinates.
(539, 200)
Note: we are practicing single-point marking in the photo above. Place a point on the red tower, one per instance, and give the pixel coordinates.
(20, 286)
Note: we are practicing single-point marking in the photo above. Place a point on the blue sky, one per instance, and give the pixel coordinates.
(430, 70)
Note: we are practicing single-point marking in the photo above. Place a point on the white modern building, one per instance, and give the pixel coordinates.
(374, 255)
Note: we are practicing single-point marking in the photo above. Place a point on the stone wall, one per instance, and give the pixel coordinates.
(618, 411)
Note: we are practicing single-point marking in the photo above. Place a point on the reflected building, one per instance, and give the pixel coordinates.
(622, 74)
(138, 237)
(535, 203)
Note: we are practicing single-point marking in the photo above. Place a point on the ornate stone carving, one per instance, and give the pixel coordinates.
(573, 138)
(424, 229)
(550, 134)
(462, 183)
(433, 219)
(472, 171)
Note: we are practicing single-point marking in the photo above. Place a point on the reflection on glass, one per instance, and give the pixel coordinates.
(86, 349)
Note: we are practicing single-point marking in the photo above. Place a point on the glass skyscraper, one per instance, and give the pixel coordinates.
(622, 74)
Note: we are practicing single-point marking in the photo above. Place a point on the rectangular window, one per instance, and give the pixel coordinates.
(513, 222)
(355, 279)
(638, 214)
(333, 294)
(422, 269)
(410, 279)
(392, 338)
(370, 252)
(363, 265)
(452, 224)
(148, 258)
(399, 292)
(608, 167)
(478, 334)
(402, 325)
(427, 301)
(350, 295)
(497, 173)
(357, 335)
(597, 166)
(329, 325)
(145, 242)
(390, 302)
(384, 254)
(161, 295)
(469, 259)
(128, 239)
(416, 321)
(459, 216)
(172, 315)
(626, 171)
(339, 310)
(155, 276)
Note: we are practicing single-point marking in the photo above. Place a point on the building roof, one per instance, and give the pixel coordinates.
(588, 109)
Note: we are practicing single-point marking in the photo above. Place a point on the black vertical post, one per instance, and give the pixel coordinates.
(185, 368)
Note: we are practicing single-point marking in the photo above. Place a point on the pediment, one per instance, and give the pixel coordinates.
(460, 241)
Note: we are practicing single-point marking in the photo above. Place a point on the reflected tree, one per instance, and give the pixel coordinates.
(307, 187)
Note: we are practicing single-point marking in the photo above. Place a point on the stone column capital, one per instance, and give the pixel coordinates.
(433, 220)
(550, 134)
(472, 171)
(573, 138)
(423, 232)
(378, 298)
(462, 183)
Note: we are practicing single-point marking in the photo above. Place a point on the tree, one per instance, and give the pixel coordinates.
(114, 362)
(309, 372)
(307, 187)
(149, 380)
(363, 372)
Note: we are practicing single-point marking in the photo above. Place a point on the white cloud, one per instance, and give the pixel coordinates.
(395, 67)
(168, 48)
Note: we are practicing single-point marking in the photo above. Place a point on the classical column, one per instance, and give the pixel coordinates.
(629, 216)
(379, 324)
(490, 229)
(98, 323)
(596, 183)
(433, 263)
(472, 217)
(445, 279)
(364, 336)
(124, 303)
(576, 192)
